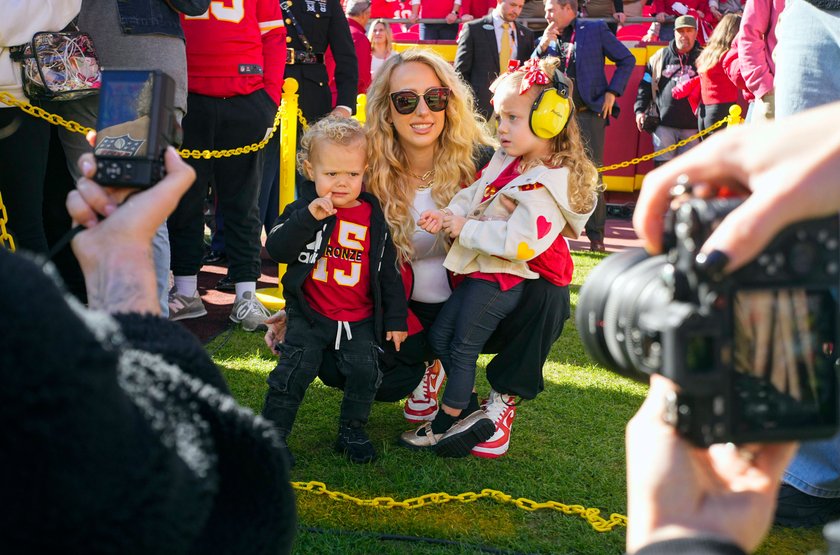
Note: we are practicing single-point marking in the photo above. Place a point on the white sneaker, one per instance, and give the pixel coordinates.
(249, 312)
(182, 307)
(422, 404)
(501, 409)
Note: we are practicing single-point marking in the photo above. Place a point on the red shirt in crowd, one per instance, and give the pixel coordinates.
(339, 285)
(235, 50)
(716, 87)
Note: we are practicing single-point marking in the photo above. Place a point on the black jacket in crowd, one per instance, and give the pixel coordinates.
(325, 26)
(662, 67)
(299, 240)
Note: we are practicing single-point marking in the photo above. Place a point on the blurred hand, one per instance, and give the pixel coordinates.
(789, 175)
(677, 490)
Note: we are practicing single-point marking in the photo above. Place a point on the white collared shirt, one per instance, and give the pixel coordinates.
(497, 26)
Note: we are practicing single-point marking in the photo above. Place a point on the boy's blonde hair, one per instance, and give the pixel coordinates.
(567, 148)
(334, 129)
(389, 177)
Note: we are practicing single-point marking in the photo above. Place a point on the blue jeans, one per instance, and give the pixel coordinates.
(438, 31)
(806, 58)
(816, 468)
(664, 137)
(807, 77)
(463, 326)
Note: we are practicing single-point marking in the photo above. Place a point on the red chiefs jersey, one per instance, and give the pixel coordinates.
(235, 48)
(339, 285)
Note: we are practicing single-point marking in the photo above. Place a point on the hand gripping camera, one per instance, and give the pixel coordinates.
(754, 352)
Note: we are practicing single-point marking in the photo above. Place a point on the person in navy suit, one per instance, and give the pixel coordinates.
(583, 46)
(480, 49)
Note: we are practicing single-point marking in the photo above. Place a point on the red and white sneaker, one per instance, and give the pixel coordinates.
(501, 410)
(422, 404)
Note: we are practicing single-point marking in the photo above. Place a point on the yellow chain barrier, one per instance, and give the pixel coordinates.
(6, 240)
(38, 112)
(75, 127)
(591, 515)
(671, 148)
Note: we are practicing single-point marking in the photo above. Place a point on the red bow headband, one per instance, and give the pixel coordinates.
(533, 74)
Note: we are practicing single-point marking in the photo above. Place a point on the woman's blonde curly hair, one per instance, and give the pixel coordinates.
(567, 148)
(388, 168)
(335, 129)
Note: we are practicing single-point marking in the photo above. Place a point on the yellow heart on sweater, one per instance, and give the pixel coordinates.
(524, 252)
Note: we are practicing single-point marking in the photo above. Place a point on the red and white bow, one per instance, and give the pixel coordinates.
(533, 74)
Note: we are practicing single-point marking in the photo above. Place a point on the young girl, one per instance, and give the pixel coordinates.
(717, 93)
(381, 45)
(505, 228)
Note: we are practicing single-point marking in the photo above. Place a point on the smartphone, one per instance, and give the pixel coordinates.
(135, 124)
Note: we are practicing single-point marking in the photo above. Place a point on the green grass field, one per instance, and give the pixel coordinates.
(567, 446)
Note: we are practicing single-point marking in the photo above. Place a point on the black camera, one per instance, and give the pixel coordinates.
(754, 352)
(135, 124)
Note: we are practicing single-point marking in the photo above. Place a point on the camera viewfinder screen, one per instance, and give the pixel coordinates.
(784, 357)
(122, 128)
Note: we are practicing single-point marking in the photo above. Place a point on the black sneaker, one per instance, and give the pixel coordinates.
(214, 258)
(797, 509)
(225, 284)
(465, 434)
(354, 443)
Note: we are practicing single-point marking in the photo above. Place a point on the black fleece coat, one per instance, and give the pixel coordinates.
(299, 240)
(120, 435)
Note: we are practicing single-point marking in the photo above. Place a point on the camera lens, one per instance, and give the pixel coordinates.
(622, 290)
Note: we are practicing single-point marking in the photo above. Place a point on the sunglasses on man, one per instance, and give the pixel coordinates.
(436, 98)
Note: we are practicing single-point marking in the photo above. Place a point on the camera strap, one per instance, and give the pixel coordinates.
(286, 8)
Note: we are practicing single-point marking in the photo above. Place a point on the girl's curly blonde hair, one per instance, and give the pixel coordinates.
(567, 148)
(388, 173)
(334, 129)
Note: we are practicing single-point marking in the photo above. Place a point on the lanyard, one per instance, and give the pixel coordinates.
(569, 49)
(287, 11)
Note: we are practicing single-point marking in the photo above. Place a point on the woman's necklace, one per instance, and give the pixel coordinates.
(427, 178)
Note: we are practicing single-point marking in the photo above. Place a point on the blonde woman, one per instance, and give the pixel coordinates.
(381, 45)
(422, 151)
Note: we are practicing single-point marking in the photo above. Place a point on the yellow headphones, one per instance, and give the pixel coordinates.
(552, 108)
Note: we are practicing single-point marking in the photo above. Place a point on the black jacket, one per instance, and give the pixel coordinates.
(299, 240)
(477, 57)
(325, 26)
(664, 67)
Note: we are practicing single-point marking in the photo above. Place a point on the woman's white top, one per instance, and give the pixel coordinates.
(431, 284)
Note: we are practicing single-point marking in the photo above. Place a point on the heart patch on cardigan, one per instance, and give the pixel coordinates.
(543, 227)
(524, 252)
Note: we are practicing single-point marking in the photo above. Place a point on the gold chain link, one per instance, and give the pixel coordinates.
(671, 148)
(38, 112)
(6, 98)
(591, 515)
(75, 127)
(6, 240)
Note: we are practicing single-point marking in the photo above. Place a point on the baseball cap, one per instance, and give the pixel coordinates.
(685, 21)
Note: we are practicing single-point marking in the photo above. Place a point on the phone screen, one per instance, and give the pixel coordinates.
(123, 120)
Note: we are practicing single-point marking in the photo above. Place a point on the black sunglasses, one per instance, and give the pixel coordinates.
(405, 102)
